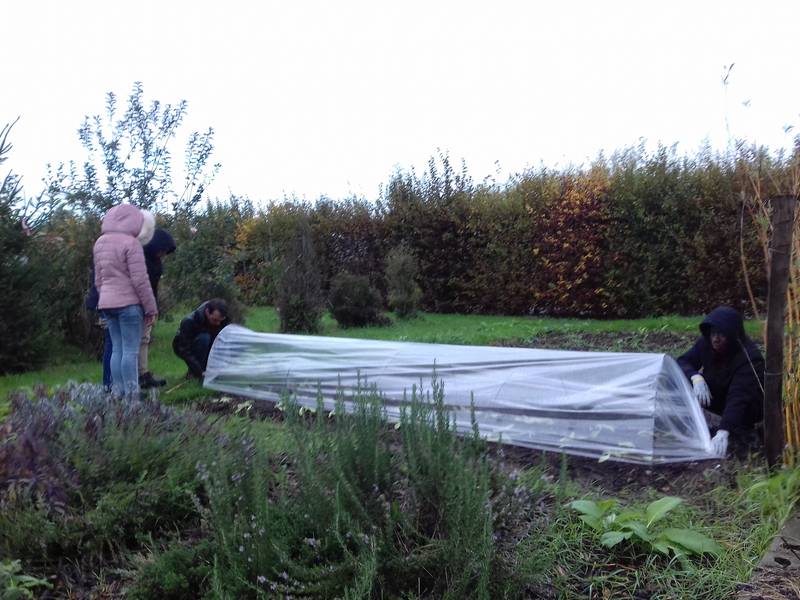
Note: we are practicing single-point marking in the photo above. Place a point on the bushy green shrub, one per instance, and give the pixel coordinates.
(354, 302)
(299, 293)
(15, 585)
(82, 474)
(401, 280)
(180, 572)
(65, 245)
(24, 318)
(350, 516)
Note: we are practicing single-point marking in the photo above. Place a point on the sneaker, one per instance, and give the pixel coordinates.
(146, 380)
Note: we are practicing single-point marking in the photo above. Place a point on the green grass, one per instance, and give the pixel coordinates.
(431, 328)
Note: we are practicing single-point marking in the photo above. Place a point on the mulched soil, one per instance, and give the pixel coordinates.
(608, 341)
(771, 583)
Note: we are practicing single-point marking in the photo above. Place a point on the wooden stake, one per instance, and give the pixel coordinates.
(780, 257)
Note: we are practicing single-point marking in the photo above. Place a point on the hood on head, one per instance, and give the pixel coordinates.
(727, 320)
(162, 242)
(123, 218)
(148, 227)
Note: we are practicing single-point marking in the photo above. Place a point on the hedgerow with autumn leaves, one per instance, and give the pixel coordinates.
(634, 235)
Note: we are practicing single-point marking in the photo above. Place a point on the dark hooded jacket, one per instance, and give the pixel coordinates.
(734, 377)
(162, 242)
(191, 326)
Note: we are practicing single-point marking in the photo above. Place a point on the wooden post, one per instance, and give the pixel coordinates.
(780, 257)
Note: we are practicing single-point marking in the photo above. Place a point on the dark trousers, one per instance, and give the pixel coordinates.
(107, 350)
(201, 347)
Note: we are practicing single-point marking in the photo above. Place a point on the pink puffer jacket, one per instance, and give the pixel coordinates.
(120, 273)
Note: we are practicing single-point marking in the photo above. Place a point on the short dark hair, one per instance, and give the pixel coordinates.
(217, 305)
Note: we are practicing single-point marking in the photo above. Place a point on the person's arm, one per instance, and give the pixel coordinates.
(691, 361)
(745, 391)
(182, 345)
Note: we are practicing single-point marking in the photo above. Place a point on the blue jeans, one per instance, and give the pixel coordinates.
(125, 328)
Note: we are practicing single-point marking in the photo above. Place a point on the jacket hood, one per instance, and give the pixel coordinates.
(123, 218)
(727, 320)
(148, 227)
(162, 242)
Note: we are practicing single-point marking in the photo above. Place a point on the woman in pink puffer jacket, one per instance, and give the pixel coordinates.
(125, 296)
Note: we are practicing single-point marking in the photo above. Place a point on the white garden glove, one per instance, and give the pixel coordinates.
(719, 443)
(701, 391)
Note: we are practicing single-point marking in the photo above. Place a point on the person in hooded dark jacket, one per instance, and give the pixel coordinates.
(90, 302)
(154, 251)
(197, 333)
(727, 374)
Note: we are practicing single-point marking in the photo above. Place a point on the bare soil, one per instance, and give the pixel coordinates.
(666, 342)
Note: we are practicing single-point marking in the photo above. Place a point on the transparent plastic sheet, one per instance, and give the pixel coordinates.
(630, 407)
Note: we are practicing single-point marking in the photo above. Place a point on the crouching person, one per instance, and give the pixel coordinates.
(727, 374)
(197, 333)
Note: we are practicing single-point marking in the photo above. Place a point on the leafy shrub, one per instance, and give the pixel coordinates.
(354, 302)
(14, 584)
(401, 278)
(24, 321)
(349, 516)
(177, 573)
(65, 246)
(644, 528)
(89, 474)
(129, 159)
(299, 295)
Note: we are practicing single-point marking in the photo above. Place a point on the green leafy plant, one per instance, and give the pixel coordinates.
(643, 528)
(82, 475)
(176, 573)
(130, 159)
(14, 584)
(347, 515)
(23, 325)
(354, 302)
(776, 495)
(299, 294)
(401, 277)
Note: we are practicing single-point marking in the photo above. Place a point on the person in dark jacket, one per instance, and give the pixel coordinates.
(90, 302)
(197, 333)
(154, 251)
(727, 373)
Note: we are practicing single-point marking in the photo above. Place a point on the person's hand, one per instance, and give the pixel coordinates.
(701, 391)
(719, 443)
(150, 319)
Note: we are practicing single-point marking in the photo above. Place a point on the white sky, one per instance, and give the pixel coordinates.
(313, 98)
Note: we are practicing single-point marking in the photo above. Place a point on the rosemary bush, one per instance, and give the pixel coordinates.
(352, 515)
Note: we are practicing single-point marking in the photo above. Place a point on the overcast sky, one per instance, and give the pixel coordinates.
(329, 98)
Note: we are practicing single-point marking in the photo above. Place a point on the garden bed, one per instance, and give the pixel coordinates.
(499, 519)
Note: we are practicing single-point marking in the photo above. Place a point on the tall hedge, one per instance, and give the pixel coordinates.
(637, 234)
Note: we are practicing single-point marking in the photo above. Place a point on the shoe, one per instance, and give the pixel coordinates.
(146, 380)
